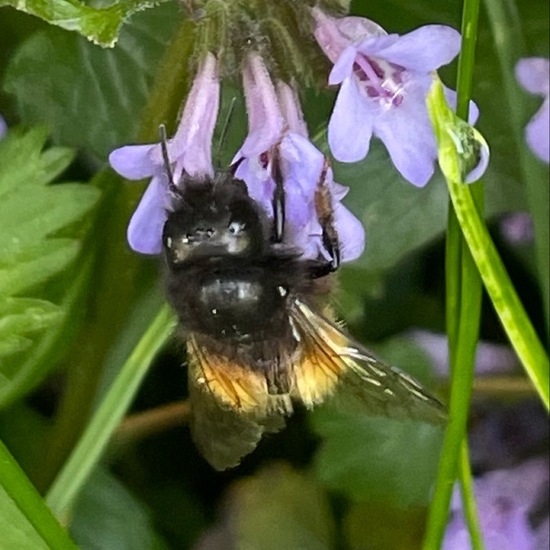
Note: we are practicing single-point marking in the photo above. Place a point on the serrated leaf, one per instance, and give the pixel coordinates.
(23, 160)
(33, 264)
(20, 317)
(25, 371)
(31, 214)
(99, 25)
(90, 97)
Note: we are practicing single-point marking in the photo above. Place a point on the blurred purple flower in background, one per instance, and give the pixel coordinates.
(190, 153)
(506, 500)
(533, 74)
(384, 81)
(3, 127)
(517, 228)
(277, 143)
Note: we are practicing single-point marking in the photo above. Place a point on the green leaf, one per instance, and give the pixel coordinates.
(379, 526)
(24, 372)
(25, 521)
(116, 401)
(100, 25)
(108, 516)
(89, 97)
(32, 213)
(369, 458)
(399, 217)
(489, 264)
(280, 508)
(32, 264)
(21, 316)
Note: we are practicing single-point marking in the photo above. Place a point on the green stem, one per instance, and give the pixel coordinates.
(117, 278)
(468, 498)
(463, 311)
(511, 313)
(26, 498)
(462, 376)
(86, 454)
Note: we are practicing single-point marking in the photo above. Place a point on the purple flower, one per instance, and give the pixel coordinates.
(532, 74)
(504, 499)
(277, 142)
(3, 127)
(189, 152)
(384, 81)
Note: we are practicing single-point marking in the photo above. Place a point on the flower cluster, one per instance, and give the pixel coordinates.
(533, 74)
(383, 78)
(189, 151)
(277, 143)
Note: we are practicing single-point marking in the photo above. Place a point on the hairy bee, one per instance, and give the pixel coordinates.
(255, 317)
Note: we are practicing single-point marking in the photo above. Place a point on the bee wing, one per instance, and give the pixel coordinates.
(332, 365)
(230, 407)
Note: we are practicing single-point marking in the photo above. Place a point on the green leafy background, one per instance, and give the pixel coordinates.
(74, 302)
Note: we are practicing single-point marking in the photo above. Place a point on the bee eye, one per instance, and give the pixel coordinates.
(236, 228)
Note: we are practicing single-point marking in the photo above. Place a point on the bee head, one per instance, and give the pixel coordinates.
(213, 221)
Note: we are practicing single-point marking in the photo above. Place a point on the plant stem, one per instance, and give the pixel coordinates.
(87, 452)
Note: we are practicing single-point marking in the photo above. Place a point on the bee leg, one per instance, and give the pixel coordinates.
(325, 215)
(317, 269)
(278, 200)
(174, 189)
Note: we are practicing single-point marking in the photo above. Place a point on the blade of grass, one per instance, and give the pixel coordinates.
(26, 498)
(468, 498)
(463, 303)
(509, 309)
(118, 398)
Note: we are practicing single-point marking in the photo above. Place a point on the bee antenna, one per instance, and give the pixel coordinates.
(166, 159)
(223, 135)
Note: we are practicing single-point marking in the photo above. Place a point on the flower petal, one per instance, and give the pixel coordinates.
(290, 108)
(328, 35)
(408, 135)
(425, 49)
(473, 109)
(536, 133)
(343, 67)
(134, 162)
(192, 144)
(358, 29)
(259, 183)
(351, 124)
(481, 166)
(302, 163)
(351, 233)
(265, 120)
(533, 74)
(145, 229)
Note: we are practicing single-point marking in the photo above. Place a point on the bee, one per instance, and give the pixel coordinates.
(257, 323)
